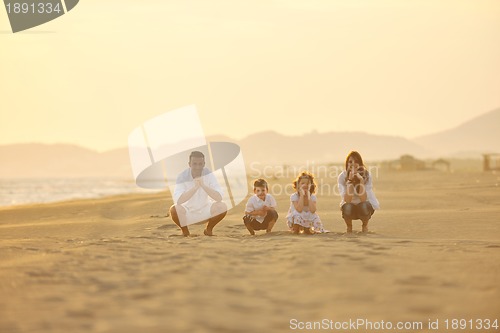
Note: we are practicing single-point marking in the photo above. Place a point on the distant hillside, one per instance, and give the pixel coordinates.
(477, 136)
(470, 139)
(61, 160)
(272, 147)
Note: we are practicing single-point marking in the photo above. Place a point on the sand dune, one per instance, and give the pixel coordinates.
(118, 264)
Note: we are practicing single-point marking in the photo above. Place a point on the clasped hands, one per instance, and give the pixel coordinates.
(353, 172)
(263, 211)
(304, 192)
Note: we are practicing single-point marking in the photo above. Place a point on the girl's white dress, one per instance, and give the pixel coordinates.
(304, 218)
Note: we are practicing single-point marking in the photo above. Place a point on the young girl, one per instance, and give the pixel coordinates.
(302, 213)
(358, 202)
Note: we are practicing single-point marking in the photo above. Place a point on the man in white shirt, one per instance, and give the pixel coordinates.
(197, 197)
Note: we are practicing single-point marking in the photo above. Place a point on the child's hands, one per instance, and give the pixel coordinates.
(307, 190)
(304, 189)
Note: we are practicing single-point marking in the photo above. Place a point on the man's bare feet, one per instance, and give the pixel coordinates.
(185, 231)
(208, 232)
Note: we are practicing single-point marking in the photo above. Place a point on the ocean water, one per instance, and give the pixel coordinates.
(43, 190)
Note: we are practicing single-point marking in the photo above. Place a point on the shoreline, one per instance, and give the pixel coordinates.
(15, 192)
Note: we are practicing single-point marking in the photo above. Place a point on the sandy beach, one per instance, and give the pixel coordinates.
(119, 264)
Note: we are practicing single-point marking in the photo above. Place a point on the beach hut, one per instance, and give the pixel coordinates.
(491, 162)
(410, 163)
(441, 164)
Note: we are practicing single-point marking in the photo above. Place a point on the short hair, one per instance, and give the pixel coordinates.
(260, 183)
(196, 154)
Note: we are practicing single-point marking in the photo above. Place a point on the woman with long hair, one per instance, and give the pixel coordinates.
(358, 201)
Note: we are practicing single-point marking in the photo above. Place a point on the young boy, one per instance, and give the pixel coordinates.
(260, 211)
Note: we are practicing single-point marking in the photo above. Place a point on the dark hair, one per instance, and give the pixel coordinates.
(196, 154)
(260, 183)
(357, 157)
(307, 175)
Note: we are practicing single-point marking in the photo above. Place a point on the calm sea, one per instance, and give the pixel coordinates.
(39, 190)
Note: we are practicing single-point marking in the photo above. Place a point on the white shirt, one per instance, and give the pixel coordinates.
(200, 198)
(255, 203)
(370, 195)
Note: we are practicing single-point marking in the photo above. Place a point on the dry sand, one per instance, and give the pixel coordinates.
(119, 264)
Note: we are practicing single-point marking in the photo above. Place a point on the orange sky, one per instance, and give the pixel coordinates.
(395, 67)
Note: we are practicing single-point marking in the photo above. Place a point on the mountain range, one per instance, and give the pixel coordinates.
(471, 139)
(476, 136)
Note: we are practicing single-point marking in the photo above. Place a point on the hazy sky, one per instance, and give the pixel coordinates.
(397, 67)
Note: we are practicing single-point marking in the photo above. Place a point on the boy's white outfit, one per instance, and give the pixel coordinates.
(256, 203)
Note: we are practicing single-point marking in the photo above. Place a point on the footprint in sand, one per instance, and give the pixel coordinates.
(416, 280)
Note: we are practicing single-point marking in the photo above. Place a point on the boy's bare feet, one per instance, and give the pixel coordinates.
(249, 228)
(270, 226)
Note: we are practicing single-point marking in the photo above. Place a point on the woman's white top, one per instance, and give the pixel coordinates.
(370, 195)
